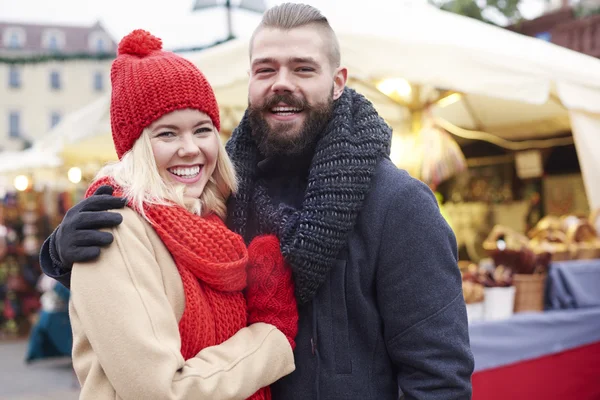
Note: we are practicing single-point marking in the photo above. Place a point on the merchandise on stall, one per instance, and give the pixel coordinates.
(568, 237)
(529, 269)
(488, 291)
(23, 226)
(511, 280)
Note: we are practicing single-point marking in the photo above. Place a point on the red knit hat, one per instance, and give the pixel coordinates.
(148, 83)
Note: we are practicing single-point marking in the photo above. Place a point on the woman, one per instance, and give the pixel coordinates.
(161, 314)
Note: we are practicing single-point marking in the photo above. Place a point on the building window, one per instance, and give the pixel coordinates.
(14, 77)
(55, 80)
(14, 124)
(100, 47)
(547, 36)
(99, 42)
(14, 38)
(13, 41)
(53, 39)
(53, 43)
(54, 119)
(98, 82)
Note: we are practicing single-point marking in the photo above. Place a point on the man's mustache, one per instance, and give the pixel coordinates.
(289, 99)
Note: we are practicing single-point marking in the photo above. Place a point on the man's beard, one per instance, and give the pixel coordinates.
(281, 141)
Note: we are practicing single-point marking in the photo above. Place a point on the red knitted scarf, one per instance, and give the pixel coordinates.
(211, 260)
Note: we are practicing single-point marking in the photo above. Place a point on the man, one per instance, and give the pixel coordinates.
(375, 264)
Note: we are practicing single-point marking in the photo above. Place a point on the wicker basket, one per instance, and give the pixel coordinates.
(529, 294)
(585, 250)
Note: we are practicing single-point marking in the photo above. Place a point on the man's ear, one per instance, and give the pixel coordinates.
(339, 82)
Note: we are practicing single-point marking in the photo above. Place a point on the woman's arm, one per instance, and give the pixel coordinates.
(120, 306)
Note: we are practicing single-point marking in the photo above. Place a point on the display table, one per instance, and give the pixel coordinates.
(573, 284)
(550, 355)
(51, 336)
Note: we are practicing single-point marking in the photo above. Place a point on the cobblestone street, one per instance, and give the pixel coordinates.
(41, 380)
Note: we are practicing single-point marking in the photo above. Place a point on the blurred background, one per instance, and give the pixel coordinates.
(495, 104)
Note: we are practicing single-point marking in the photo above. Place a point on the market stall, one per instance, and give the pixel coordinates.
(471, 78)
(551, 355)
(476, 81)
(436, 73)
(534, 310)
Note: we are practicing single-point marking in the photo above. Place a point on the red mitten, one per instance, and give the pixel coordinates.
(270, 291)
(261, 394)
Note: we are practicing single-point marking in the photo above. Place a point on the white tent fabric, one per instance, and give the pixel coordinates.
(510, 80)
(82, 136)
(513, 86)
(27, 160)
(587, 142)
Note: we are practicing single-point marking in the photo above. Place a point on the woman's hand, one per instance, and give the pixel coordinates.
(270, 291)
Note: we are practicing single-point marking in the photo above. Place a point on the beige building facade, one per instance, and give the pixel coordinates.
(46, 72)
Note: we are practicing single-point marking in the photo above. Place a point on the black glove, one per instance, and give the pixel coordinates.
(78, 238)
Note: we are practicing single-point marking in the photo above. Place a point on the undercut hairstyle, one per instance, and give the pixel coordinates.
(288, 16)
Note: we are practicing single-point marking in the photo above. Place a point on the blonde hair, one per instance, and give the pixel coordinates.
(288, 16)
(136, 173)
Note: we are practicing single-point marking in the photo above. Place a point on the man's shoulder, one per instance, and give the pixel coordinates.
(387, 172)
(392, 185)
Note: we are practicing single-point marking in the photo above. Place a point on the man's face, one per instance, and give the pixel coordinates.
(292, 88)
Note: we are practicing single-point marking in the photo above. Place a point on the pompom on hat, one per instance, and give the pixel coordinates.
(148, 83)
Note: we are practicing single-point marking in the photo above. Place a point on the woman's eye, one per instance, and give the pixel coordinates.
(166, 134)
(203, 130)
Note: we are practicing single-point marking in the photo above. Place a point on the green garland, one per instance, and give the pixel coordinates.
(44, 58)
(49, 57)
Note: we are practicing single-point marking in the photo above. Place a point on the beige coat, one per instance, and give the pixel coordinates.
(125, 308)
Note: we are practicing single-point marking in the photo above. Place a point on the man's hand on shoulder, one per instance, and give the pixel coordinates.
(78, 238)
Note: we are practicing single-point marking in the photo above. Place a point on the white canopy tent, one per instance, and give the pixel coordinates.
(27, 159)
(510, 85)
(499, 82)
(82, 136)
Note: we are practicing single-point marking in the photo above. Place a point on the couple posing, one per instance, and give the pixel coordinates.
(314, 270)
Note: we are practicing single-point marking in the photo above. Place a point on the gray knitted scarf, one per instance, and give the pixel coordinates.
(339, 178)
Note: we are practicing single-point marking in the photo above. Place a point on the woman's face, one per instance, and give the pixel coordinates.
(185, 146)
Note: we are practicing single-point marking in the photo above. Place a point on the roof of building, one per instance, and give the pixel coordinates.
(76, 38)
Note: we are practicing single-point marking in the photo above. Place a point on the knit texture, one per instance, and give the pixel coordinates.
(340, 174)
(270, 292)
(148, 83)
(212, 262)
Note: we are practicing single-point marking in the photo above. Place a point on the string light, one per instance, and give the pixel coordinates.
(395, 87)
(74, 175)
(21, 183)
